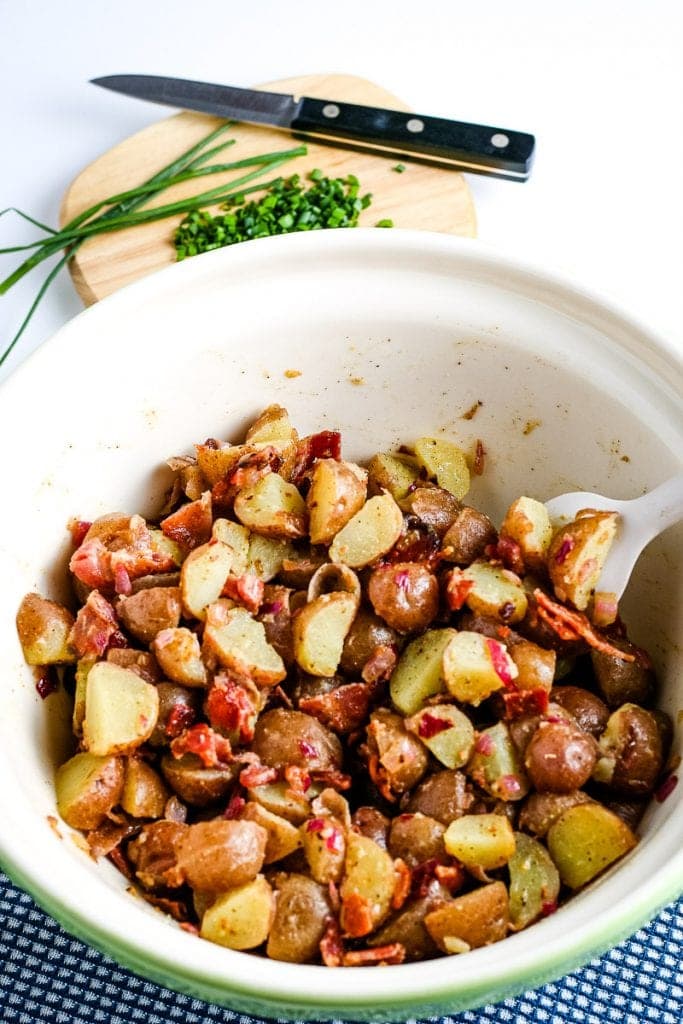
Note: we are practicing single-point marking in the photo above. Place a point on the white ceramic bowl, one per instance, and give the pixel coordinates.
(394, 334)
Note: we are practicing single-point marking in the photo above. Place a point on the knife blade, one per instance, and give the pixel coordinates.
(480, 149)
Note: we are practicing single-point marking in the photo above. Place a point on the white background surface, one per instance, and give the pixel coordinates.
(600, 83)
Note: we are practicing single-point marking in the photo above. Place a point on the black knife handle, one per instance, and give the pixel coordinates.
(470, 147)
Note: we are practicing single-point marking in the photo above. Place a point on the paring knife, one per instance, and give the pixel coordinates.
(497, 152)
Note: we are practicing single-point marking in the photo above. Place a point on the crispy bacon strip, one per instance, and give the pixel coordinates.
(341, 710)
(247, 589)
(94, 627)
(380, 664)
(451, 876)
(257, 775)
(393, 953)
(571, 625)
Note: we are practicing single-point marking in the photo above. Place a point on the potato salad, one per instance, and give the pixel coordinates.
(331, 713)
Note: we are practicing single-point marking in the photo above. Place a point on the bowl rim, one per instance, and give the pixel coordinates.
(485, 978)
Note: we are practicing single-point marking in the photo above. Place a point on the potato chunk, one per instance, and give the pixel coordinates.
(577, 554)
(241, 918)
(218, 855)
(272, 426)
(266, 555)
(585, 840)
(236, 537)
(476, 919)
(534, 882)
(444, 461)
(319, 630)
(88, 786)
(481, 840)
(446, 731)
(178, 654)
(239, 642)
(420, 670)
(527, 523)
(203, 576)
(369, 534)
(367, 887)
(393, 474)
(273, 508)
(475, 666)
(337, 492)
(120, 710)
(300, 917)
(283, 837)
(149, 611)
(43, 627)
(144, 794)
(494, 592)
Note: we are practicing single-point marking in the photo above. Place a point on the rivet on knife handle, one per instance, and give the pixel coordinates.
(470, 147)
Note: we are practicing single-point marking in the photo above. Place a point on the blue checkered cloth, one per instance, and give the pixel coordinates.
(46, 976)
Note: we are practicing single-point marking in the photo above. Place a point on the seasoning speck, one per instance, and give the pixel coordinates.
(357, 381)
(291, 374)
(473, 410)
(530, 426)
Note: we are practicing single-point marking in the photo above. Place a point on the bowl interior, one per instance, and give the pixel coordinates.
(385, 336)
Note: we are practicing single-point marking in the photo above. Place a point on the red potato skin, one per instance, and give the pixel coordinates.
(405, 595)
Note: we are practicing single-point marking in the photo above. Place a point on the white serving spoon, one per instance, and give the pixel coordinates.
(640, 521)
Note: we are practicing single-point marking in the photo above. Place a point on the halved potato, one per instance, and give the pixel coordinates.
(446, 462)
(527, 523)
(585, 840)
(336, 494)
(240, 918)
(43, 627)
(495, 592)
(272, 507)
(392, 473)
(147, 612)
(369, 534)
(283, 837)
(467, 922)
(534, 881)
(368, 886)
(88, 786)
(577, 554)
(324, 845)
(446, 731)
(144, 794)
(475, 666)
(203, 576)
(179, 655)
(239, 642)
(236, 537)
(480, 840)
(420, 670)
(319, 630)
(120, 710)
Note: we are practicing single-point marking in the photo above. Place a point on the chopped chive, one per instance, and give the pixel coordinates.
(399, 168)
(385, 223)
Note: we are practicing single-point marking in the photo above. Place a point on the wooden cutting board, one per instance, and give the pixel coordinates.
(423, 197)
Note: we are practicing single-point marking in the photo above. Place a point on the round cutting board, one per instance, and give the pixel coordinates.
(423, 197)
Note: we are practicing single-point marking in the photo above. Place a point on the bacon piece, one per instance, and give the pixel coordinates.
(176, 909)
(508, 552)
(120, 862)
(430, 725)
(331, 945)
(356, 915)
(666, 787)
(247, 590)
(380, 664)
(404, 880)
(451, 876)
(181, 717)
(191, 524)
(380, 778)
(257, 775)
(209, 747)
(188, 927)
(91, 564)
(423, 875)
(572, 625)
(324, 445)
(107, 837)
(95, 624)
(419, 543)
(235, 807)
(457, 589)
(122, 583)
(78, 529)
(298, 779)
(523, 702)
(393, 953)
(231, 708)
(331, 778)
(343, 709)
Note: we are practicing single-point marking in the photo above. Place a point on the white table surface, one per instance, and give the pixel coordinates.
(599, 82)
